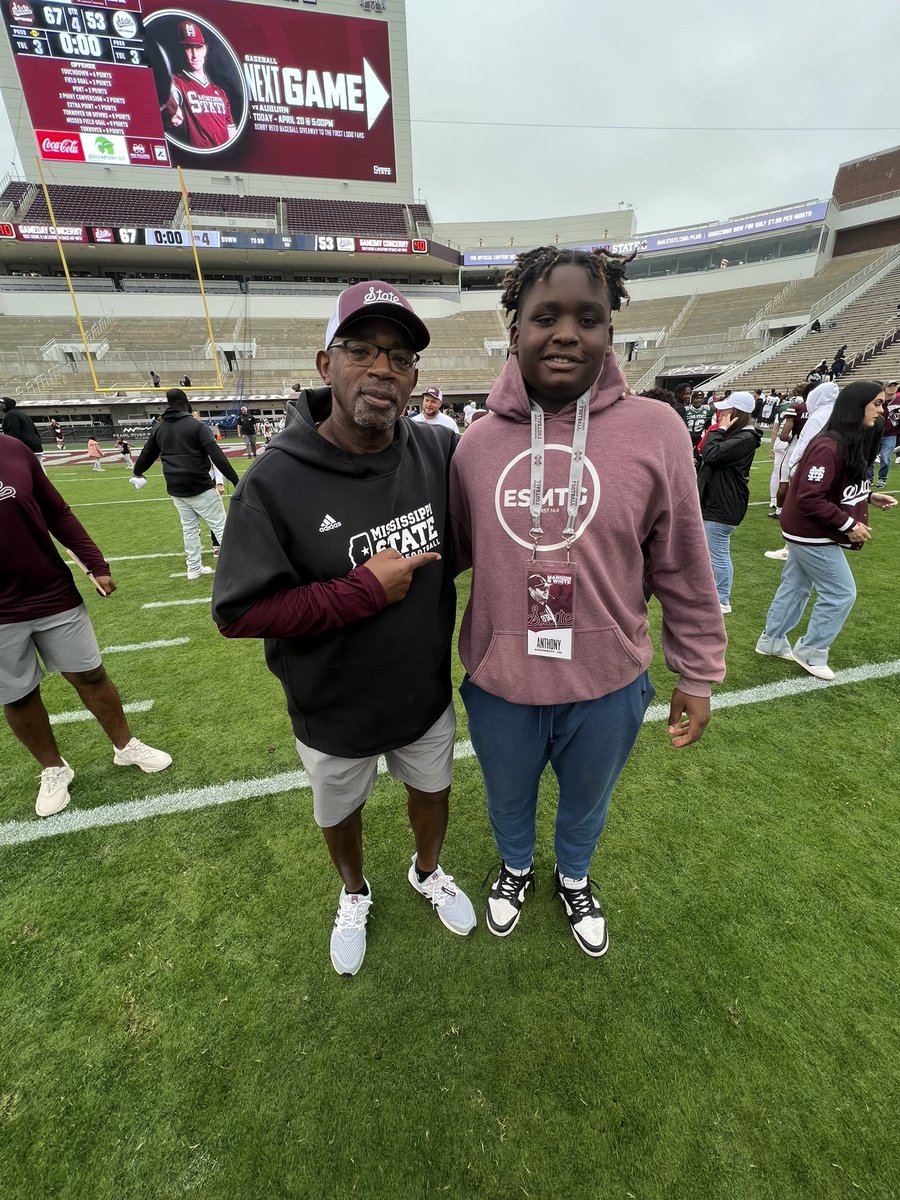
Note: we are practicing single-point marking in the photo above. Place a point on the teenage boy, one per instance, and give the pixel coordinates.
(355, 598)
(545, 486)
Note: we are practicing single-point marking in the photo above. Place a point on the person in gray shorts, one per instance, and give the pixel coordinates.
(44, 620)
(333, 552)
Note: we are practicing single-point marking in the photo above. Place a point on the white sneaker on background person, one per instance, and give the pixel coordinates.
(136, 754)
(200, 571)
(54, 791)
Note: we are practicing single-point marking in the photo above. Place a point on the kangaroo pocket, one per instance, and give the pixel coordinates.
(354, 707)
(603, 660)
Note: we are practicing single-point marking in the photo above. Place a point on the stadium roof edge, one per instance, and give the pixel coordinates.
(866, 157)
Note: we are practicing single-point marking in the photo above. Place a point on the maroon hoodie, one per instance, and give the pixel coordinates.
(823, 502)
(639, 517)
(34, 580)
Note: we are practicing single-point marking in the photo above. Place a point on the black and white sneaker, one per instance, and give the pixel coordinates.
(506, 897)
(584, 913)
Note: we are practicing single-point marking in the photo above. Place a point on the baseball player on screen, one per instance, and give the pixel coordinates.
(197, 107)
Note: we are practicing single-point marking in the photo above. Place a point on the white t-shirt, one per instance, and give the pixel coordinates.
(469, 412)
(439, 419)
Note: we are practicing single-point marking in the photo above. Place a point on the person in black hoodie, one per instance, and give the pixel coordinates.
(335, 554)
(724, 483)
(19, 425)
(186, 447)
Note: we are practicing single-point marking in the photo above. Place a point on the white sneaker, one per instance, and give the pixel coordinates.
(726, 608)
(348, 938)
(200, 571)
(506, 897)
(450, 903)
(781, 555)
(820, 670)
(585, 915)
(136, 754)
(54, 791)
(769, 647)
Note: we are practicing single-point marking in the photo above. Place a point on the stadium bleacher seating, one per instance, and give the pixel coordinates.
(15, 192)
(137, 206)
(104, 206)
(860, 325)
(221, 203)
(347, 217)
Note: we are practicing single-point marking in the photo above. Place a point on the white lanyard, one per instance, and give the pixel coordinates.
(576, 472)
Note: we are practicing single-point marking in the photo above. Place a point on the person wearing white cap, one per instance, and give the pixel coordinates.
(723, 480)
(336, 552)
(430, 414)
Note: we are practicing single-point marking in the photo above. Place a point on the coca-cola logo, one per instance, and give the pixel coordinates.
(69, 146)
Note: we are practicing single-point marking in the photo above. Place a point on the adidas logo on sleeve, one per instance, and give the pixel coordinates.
(328, 524)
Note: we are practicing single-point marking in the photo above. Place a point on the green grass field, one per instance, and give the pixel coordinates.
(170, 1024)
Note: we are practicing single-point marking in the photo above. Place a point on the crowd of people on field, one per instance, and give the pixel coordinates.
(342, 543)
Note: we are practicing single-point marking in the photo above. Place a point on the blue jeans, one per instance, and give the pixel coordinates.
(718, 540)
(826, 569)
(886, 454)
(587, 744)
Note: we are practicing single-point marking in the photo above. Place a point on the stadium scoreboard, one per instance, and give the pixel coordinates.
(238, 86)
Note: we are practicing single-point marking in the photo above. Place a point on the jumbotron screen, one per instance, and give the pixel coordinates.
(238, 87)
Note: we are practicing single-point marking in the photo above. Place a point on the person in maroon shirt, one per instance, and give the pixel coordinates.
(198, 108)
(44, 617)
(825, 512)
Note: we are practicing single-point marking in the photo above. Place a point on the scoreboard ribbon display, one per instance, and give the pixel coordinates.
(234, 87)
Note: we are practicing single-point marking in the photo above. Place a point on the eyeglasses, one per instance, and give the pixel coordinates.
(364, 354)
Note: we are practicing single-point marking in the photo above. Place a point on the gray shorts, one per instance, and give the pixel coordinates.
(65, 642)
(341, 785)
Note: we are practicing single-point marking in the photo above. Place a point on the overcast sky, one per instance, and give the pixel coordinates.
(489, 80)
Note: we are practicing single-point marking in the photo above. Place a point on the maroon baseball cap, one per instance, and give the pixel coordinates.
(435, 393)
(376, 299)
(191, 34)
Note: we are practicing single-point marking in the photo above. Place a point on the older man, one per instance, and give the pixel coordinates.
(349, 588)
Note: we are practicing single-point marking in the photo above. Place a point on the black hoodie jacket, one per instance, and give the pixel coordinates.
(186, 446)
(19, 425)
(724, 474)
(308, 512)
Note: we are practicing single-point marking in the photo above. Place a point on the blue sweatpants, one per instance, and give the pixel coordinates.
(587, 744)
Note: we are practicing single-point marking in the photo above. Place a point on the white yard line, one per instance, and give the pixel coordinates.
(14, 833)
(142, 557)
(106, 503)
(82, 714)
(182, 641)
(175, 603)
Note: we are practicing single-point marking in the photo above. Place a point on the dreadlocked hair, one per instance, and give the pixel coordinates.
(533, 266)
